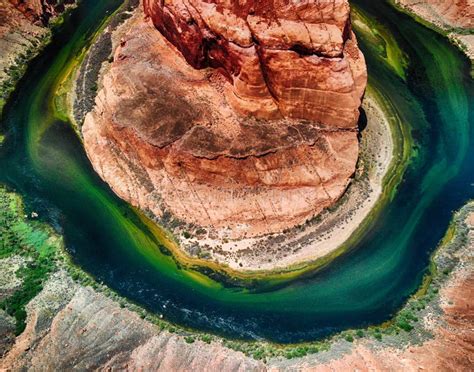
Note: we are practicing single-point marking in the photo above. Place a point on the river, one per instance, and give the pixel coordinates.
(432, 93)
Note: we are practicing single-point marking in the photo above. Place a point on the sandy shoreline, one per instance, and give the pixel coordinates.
(301, 245)
(328, 231)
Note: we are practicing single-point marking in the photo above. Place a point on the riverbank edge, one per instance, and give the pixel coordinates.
(17, 70)
(244, 277)
(403, 329)
(451, 234)
(402, 145)
(448, 32)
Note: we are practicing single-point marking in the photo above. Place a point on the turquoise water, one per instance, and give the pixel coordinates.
(44, 160)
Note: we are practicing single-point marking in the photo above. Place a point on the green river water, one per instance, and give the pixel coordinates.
(424, 80)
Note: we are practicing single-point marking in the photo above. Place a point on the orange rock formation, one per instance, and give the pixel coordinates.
(244, 121)
(282, 58)
(40, 11)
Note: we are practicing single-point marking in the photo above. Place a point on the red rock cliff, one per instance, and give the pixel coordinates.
(243, 119)
(40, 11)
(294, 59)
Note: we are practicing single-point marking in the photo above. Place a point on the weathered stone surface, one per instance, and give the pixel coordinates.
(40, 11)
(443, 13)
(455, 17)
(17, 36)
(72, 327)
(165, 138)
(22, 33)
(166, 134)
(287, 59)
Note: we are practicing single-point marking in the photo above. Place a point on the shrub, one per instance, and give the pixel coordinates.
(186, 234)
(403, 324)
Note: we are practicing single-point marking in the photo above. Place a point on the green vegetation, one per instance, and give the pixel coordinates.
(349, 338)
(206, 338)
(186, 234)
(17, 69)
(24, 237)
(382, 41)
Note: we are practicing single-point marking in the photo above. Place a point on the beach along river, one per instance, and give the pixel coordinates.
(427, 84)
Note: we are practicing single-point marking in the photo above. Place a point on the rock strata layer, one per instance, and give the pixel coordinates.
(40, 11)
(23, 31)
(232, 128)
(282, 58)
(72, 327)
(455, 17)
(17, 35)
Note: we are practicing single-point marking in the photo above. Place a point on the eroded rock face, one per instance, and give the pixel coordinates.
(292, 59)
(41, 11)
(72, 327)
(243, 137)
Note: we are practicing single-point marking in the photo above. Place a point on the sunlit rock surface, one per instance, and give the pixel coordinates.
(289, 59)
(168, 135)
(40, 11)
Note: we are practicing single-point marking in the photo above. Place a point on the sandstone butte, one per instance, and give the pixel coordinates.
(240, 117)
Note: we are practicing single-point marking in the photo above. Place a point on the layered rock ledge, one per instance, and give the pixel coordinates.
(443, 13)
(282, 59)
(238, 121)
(23, 32)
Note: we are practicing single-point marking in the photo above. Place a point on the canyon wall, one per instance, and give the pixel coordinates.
(241, 119)
(282, 58)
(23, 32)
(73, 327)
(41, 11)
(455, 17)
(17, 34)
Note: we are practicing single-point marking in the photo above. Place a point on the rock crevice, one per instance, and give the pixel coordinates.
(253, 44)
